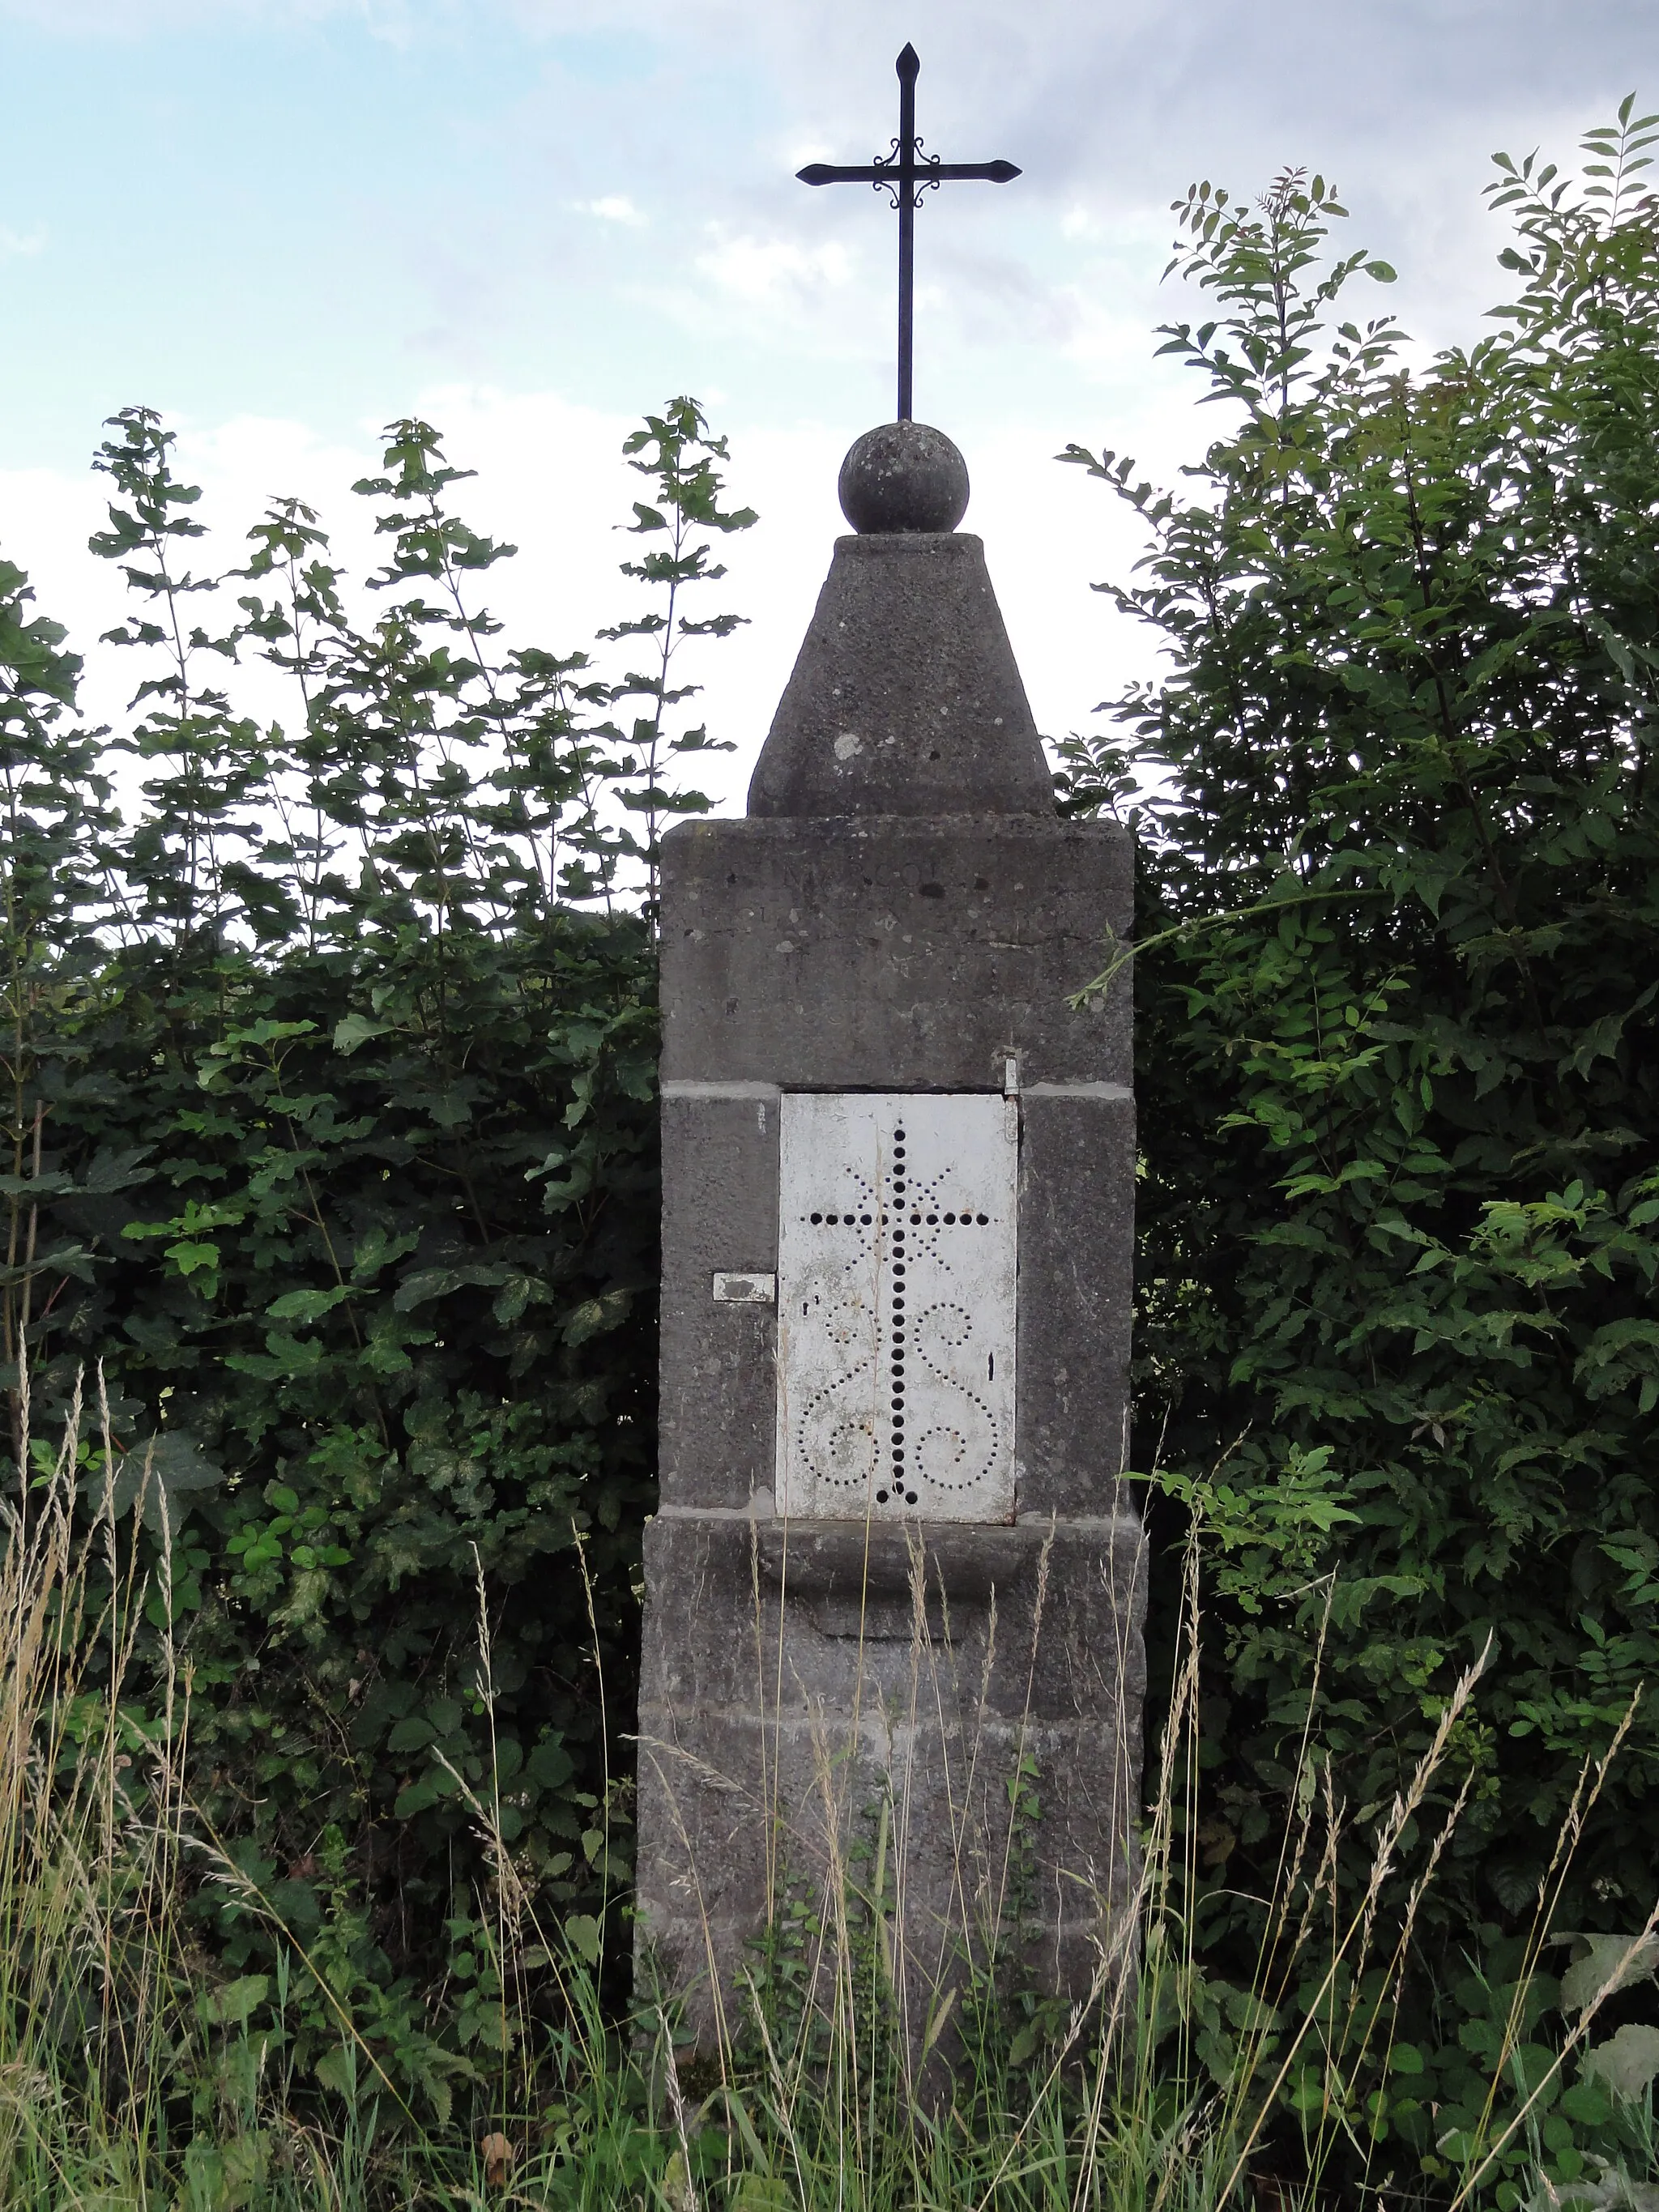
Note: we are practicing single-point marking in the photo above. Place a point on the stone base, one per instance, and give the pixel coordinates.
(961, 1700)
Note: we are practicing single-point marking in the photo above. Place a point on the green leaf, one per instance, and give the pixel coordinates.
(236, 2003)
(307, 1305)
(1627, 2063)
(429, 1283)
(582, 1933)
(158, 1473)
(1603, 1964)
(594, 1316)
(338, 2070)
(353, 1030)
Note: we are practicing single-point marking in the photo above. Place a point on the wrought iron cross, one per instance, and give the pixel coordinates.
(906, 173)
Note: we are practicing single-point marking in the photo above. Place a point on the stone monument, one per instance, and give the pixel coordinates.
(894, 1583)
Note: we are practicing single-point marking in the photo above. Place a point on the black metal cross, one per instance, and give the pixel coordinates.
(906, 173)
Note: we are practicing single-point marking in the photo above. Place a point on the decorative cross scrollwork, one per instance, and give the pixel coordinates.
(904, 174)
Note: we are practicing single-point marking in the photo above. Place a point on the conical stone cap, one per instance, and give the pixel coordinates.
(905, 698)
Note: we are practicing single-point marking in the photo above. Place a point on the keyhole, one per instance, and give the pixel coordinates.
(990, 1367)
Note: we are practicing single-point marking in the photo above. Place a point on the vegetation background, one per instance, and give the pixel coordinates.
(330, 1069)
(1397, 1059)
(330, 1051)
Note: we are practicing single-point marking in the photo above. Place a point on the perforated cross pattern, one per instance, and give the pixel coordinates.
(896, 1306)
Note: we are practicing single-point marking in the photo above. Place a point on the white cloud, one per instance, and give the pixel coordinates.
(14, 242)
(770, 268)
(614, 207)
(1107, 344)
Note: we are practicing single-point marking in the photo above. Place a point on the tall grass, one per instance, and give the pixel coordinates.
(135, 2073)
(91, 1833)
(129, 2074)
(1126, 2098)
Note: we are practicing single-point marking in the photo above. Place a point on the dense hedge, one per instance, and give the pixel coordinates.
(1398, 1064)
(330, 1059)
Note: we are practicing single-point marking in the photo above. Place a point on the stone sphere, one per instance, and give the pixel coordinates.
(903, 475)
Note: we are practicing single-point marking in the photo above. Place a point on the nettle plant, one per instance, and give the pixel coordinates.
(1398, 828)
(329, 1106)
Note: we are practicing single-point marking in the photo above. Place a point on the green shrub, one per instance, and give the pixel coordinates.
(330, 1059)
(1398, 1066)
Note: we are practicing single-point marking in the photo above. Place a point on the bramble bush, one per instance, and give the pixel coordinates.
(1398, 1067)
(330, 1057)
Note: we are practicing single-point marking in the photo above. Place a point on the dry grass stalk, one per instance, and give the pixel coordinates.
(95, 1821)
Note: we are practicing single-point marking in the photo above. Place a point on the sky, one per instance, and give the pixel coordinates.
(283, 222)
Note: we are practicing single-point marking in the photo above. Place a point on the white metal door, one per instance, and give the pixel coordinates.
(896, 1305)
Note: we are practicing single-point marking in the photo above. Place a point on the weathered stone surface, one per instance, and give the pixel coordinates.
(903, 475)
(716, 1417)
(907, 914)
(1077, 1168)
(893, 954)
(768, 1746)
(905, 698)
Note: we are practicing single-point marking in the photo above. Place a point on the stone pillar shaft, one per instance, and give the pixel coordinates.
(793, 1677)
